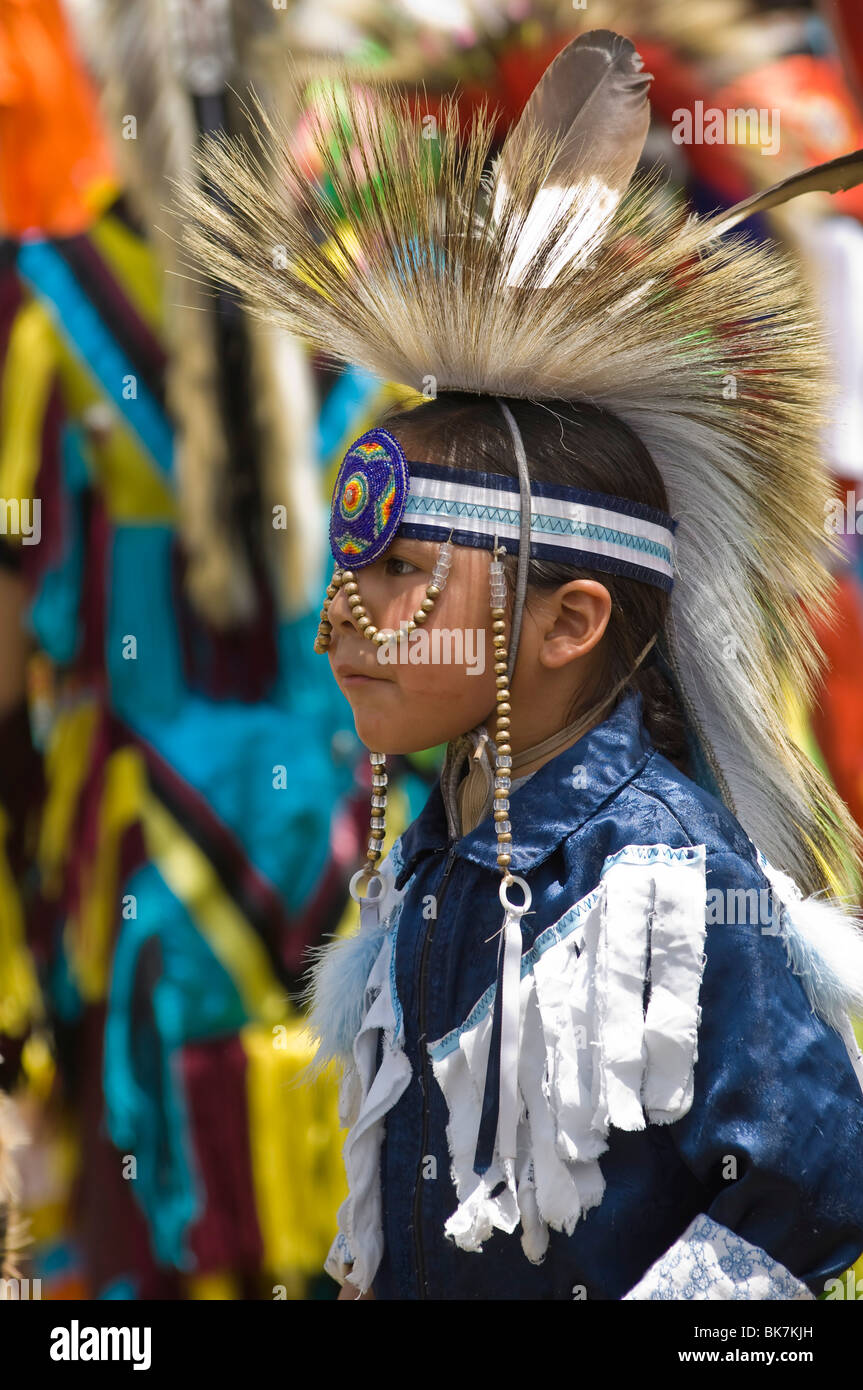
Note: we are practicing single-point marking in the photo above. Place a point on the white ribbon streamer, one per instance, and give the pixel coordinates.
(507, 1121)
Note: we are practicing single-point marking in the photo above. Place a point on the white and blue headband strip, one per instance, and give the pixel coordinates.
(566, 524)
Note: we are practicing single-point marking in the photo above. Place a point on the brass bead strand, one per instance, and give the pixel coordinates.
(503, 747)
(440, 574)
(343, 579)
(378, 810)
(325, 627)
(359, 612)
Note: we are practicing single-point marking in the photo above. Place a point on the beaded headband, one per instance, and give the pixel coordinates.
(377, 492)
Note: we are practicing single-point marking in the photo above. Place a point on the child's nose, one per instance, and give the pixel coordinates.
(341, 613)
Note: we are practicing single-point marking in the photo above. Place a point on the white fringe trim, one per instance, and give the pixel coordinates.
(589, 1057)
(365, 1098)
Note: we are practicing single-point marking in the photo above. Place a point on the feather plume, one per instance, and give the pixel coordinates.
(334, 994)
(835, 176)
(705, 346)
(824, 943)
(592, 106)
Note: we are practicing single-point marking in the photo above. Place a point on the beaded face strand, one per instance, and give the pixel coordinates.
(503, 758)
(366, 627)
(359, 612)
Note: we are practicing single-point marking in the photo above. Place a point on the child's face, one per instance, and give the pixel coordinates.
(442, 681)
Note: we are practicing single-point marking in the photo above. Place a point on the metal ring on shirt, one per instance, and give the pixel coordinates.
(385, 880)
(516, 909)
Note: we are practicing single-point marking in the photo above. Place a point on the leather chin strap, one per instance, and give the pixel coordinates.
(523, 533)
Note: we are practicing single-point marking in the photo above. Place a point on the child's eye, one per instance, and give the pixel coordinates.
(396, 560)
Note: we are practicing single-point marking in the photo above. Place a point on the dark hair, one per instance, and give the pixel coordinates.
(582, 446)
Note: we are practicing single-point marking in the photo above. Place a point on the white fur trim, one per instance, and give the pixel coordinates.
(336, 996)
(824, 943)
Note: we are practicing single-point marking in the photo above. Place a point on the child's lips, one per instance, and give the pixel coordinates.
(354, 675)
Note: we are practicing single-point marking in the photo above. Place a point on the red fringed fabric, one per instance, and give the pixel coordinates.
(110, 1226)
(22, 786)
(226, 1235)
(837, 721)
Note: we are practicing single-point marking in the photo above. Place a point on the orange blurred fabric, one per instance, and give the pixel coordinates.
(846, 21)
(837, 721)
(55, 168)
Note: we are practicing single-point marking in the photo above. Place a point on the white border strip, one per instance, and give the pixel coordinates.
(433, 489)
(544, 506)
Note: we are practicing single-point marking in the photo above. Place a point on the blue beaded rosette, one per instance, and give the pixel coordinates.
(368, 499)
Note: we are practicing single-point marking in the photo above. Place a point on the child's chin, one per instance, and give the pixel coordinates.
(383, 736)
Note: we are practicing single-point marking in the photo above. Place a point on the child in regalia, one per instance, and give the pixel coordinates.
(595, 1022)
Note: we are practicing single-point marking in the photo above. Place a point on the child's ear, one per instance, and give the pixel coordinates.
(576, 619)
